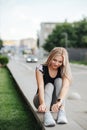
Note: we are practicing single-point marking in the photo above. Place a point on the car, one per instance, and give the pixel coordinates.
(31, 58)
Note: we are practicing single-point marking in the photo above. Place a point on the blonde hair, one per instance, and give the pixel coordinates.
(65, 68)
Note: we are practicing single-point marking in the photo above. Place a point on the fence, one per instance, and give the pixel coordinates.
(77, 54)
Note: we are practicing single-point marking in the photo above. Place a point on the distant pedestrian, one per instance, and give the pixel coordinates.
(53, 81)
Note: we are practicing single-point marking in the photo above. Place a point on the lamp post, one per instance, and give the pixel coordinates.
(66, 39)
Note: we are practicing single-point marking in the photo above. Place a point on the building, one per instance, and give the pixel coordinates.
(46, 29)
(29, 45)
(20, 45)
(10, 42)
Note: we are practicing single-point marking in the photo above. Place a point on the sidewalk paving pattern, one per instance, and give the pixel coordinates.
(76, 109)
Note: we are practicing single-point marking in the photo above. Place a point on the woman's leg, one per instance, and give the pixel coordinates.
(36, 101)
(48, 118)
(48, 92)
(61, 117)
(57, 89)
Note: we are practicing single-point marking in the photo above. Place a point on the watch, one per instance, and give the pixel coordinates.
(59, 100)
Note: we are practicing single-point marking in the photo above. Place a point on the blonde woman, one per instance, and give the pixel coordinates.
(53, 81)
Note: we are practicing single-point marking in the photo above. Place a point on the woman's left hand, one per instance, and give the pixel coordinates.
(55, 107)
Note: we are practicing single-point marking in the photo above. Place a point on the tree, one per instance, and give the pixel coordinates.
(76, 35)
(56, 38)
(81, 32)
(1, 43)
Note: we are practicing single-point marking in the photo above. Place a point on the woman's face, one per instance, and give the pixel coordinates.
(56, 62)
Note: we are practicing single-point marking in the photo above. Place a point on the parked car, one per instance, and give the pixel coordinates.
(31, 58)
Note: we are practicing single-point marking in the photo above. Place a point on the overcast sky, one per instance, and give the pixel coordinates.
(21, 18)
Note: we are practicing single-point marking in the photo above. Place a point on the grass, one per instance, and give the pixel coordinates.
(79, 62)
(14, 112)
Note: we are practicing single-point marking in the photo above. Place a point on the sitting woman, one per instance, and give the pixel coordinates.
(53, 81)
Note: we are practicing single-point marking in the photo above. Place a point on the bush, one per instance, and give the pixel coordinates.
(3, 60)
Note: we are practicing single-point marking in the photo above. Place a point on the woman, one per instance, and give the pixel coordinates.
(53, 81)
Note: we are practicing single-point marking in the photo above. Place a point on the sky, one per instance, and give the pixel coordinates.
(21, 19)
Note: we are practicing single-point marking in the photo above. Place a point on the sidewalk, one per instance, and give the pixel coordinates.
(25, 79)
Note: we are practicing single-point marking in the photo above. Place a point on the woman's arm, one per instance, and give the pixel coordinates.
(65, 88)
(40, 84)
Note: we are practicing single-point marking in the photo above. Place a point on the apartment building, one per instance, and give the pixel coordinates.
(29, 43)
(46, 29)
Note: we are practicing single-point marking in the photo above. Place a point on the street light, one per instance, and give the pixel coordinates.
(66, 39)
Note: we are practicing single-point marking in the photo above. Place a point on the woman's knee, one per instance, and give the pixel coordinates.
(58, 82)
(49, 86)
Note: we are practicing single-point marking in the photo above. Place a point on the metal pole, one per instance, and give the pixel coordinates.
(66, 39)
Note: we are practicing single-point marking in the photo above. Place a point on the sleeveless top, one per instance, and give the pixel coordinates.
(46, 77)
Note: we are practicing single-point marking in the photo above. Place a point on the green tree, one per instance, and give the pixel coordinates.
(1, 43)
(76, 35)
(57, 37)
(81, 32)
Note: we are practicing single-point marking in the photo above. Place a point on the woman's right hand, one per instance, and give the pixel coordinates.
(42, 108)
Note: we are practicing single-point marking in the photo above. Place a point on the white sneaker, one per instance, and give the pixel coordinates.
(48, 120)
(61, 119)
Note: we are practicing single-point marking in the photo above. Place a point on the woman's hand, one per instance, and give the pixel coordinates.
(42, 108)
(55, 107)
